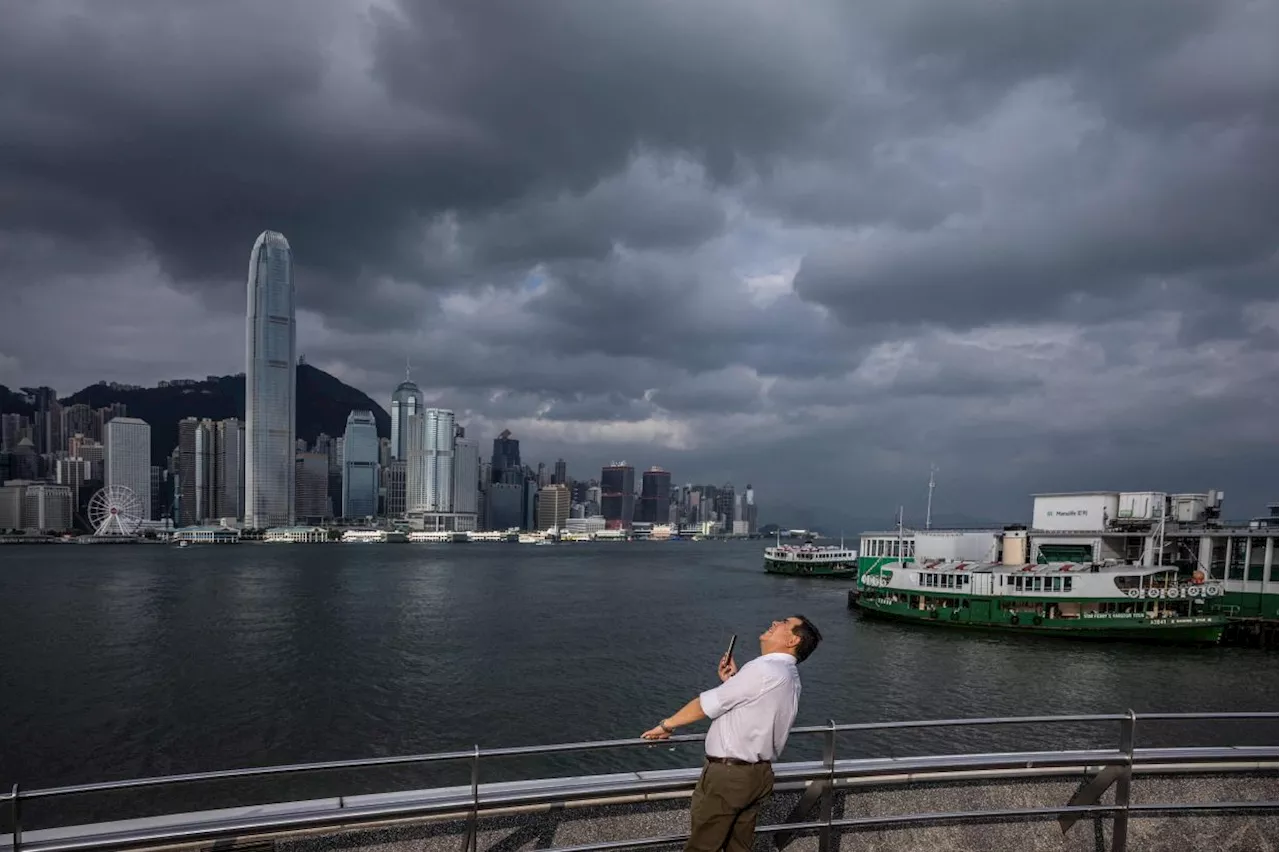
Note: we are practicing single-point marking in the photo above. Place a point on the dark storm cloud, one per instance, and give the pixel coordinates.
(839, 235)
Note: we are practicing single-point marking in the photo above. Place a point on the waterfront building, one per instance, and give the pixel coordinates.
(207, 535)
(429, 480)
(360, 466)
(197, 471)
(553, 507)
(655, 494)
(127, 458)
(296, 535)
(618, 494)
(466, 475)
(228, 465)
(312, 479)
(505, 465)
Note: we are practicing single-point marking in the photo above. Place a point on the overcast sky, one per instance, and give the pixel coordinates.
(814, 246)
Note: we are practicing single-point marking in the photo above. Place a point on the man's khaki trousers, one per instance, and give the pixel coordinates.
(724, 807)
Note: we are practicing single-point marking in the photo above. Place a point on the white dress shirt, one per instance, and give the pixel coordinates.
(754, 709)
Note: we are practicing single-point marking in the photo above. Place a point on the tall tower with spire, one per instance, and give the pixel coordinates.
(406, 401)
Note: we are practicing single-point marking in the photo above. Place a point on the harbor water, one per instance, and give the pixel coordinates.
(122, 662)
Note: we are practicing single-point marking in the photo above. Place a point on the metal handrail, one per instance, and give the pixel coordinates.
(554, 748)
(1124, 758)
(560, 748)
(358, 763)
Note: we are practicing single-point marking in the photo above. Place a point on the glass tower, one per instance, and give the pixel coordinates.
(270, 388)
(406, 401)
(360, 466)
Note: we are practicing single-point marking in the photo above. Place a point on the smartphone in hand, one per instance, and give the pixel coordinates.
(733, 640)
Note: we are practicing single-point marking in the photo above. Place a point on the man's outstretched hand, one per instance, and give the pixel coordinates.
(656, 734)
(728, 668)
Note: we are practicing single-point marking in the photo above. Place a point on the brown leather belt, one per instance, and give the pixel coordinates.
(733, 761)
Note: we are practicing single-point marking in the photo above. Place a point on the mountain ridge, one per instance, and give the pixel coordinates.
(323, 403)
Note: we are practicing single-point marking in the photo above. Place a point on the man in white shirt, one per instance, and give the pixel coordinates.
(752, 711)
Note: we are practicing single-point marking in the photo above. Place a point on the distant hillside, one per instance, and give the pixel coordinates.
(323, 405)
(14, 402)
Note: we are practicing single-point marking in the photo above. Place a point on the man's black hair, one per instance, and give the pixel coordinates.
(809, 638)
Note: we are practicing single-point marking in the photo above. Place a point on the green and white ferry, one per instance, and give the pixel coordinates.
(1107, 601)
(809, 560)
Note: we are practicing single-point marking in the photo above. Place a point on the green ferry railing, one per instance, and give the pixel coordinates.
(1114, 768)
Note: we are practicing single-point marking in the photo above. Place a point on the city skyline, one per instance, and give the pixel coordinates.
(830, 246)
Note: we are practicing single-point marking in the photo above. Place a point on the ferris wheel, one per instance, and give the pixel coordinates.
(115, 510)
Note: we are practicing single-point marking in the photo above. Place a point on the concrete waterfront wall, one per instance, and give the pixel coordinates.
(567, 826)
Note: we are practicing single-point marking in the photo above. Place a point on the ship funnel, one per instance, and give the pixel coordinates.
(1014, 545)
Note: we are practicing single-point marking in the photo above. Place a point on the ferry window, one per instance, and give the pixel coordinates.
(911, 547)
(893, 549)
(1057, 584)
(1066, 584)
(1237, 566)
(1257, 554)
(1035, 584)
(1218, 559)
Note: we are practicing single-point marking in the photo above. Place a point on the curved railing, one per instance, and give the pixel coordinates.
(820, 781)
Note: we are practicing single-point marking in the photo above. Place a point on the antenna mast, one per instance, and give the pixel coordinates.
(928, 512)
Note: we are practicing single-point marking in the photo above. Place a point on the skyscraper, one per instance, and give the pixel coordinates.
(553, 507)
(197, 471)
(506, 459)
(466, 475)
(561, 475)
(127, 456)
(655, 494)
(406, 401)
(360, 466)
(271, 353)
(618, 494)
(429, 479)
(312, 478)
(229, 468)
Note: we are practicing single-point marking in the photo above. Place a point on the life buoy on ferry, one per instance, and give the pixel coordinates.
(1035, 619)
(1198, 577)
(1015, 619)
(933, 613)
(1134, 593)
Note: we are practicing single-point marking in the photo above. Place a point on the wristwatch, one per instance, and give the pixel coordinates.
(663, 726)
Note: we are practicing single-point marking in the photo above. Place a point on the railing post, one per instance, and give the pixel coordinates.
(470, 841)
(1120, 825)
(17, 819)
(828, 795)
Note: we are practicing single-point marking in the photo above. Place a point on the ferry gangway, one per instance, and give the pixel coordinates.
(819, 782)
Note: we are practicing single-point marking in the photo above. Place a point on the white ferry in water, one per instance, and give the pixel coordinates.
(810, 560)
